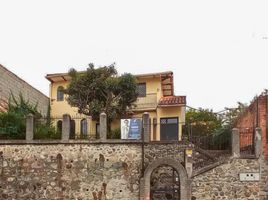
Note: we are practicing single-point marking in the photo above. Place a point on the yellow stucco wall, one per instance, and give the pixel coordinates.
(166, 112)
(59, 108)
(153, 85)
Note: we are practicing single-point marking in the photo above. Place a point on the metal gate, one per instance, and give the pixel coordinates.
(169, 128)
(246, 141)
(165, 184)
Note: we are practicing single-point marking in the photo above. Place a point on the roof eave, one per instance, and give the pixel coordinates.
(152, 74)
(172, 105)
(50, 76)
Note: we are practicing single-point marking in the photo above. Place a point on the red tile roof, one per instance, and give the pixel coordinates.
(3, 105)
(172, 100)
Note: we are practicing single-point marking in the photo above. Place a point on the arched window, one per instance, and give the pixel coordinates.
(59, 126)
(83, 125)
(60, 94)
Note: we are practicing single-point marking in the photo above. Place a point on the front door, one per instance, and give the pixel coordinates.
(169, 128)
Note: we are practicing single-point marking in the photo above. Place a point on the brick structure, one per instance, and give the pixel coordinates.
(9, 82)
(3, 105)
(256, 116)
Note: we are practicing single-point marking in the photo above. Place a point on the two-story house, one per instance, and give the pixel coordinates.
(156, 96)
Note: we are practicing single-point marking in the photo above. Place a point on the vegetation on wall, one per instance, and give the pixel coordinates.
(231, 115)
(202, 121)
(44, 128)
(211, 129)
(13, 122)
(46, 131)
(114, 134)
(21, 106)
(12, 126)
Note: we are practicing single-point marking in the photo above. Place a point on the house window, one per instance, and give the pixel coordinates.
(83, 125)
(141, 90)
(60, 94)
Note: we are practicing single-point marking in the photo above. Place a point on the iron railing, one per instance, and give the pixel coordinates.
(147, 102)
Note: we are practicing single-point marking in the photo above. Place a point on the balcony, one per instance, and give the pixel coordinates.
(146, 103)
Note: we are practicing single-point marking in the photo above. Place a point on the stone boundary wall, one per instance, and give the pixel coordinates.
(77, 169)
(223, 181)
(70, 171)
(112, 170)
(11, 82)
(264, 179)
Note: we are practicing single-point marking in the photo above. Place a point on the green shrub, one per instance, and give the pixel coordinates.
(46, 131)
(114, 134)
(13, 122)
(12, 126)
(222, 138)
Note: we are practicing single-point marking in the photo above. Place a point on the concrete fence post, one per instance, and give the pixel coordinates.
(258, 142)
(29, 127)
(235, 143)
(103, 126)
(66, 127)
(188, 160)
(146, 127)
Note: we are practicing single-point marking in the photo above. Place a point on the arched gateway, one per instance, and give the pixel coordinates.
(165, 178)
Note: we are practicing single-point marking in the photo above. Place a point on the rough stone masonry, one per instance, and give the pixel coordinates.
(75, 171)
(109, 171)
(223, 182)
(69, 171)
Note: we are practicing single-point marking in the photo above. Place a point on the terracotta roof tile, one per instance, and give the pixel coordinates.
(172, 100)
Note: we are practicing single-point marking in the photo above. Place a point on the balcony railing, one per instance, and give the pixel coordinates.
(147, 102)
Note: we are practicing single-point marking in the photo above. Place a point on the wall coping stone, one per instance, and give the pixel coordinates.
(109, 141)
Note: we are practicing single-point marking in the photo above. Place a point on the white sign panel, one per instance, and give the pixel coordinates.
(131, 129)
(249, 176)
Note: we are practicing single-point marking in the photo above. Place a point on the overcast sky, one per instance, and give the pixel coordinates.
(218, 50)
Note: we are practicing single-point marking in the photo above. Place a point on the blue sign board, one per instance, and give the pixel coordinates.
(131, 128)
